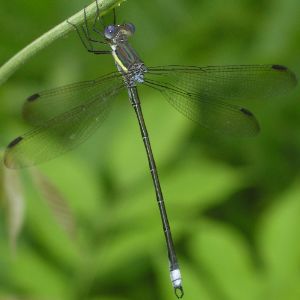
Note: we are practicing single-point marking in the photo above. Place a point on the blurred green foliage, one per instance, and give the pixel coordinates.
(91, 226)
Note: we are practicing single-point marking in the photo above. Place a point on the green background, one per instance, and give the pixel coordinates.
(91, 227)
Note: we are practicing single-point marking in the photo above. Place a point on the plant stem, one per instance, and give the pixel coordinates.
(49, 37)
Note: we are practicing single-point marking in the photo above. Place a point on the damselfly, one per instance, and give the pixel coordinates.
(66, 116)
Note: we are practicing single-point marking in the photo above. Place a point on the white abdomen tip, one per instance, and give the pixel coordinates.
(176, 278)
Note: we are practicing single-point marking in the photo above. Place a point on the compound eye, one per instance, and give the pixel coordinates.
(110, 31)
(130, 27)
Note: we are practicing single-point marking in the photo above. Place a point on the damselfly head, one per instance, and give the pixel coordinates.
(130, 28)
(112, 32)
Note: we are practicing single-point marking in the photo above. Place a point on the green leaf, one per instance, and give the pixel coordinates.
(34, 275)
(52, 35)
(279, 244)
(224, 257)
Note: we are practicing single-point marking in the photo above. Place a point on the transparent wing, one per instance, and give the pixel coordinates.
(203, 94)
(65, 130)
(242, 82)
(215, 115)
(48, 104)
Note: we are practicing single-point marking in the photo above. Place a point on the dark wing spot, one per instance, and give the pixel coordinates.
(33, 97)
(279, 68)
(246, 112)
(292, 75)
(15, 142)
